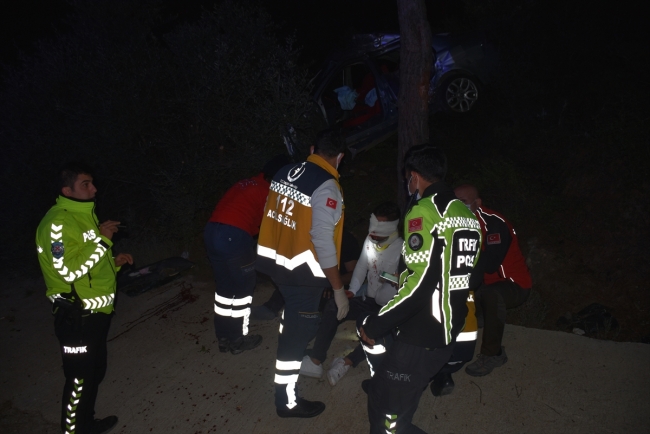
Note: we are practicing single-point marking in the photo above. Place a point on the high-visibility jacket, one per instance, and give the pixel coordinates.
(443, 240)
(286, 250)
(71, 251)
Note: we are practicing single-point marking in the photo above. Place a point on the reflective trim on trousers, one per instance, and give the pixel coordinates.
(232, 313)
(391, 424)
(245, 314)
(71, 415)
(467, 336)
(286, 373)
(290, 379)
(233, 301)
(287, 366)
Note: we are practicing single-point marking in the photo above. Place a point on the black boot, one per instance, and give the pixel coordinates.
(224, 345)
(303, 409)
(244, 343)
(442, 384)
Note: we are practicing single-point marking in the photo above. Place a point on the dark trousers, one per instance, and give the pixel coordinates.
(232, 256)
(276, 302)
(493, 300)
(463, 352)
(297, 327)
(328, 325)
(401, 375)
(83, 350)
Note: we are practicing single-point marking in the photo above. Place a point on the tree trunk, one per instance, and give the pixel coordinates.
(415, 69)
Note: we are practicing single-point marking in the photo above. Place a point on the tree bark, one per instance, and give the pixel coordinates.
(415, 69)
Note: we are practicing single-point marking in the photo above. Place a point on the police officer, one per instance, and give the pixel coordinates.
(428, 313)
(74, 252)
(299, 247)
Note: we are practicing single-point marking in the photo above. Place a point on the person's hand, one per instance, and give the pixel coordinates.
(369, 342)
(349, 294)
(123, 258)
(108, 228)
(342, 303)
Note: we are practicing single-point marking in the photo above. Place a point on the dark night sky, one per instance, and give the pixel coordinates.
(319, 26)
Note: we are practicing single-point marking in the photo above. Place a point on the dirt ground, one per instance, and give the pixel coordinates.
(167, 375)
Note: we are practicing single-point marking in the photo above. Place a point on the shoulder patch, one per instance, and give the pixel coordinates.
(415, 224)
(494, 238)
(331, 203)
(415, 242)
(57, 250)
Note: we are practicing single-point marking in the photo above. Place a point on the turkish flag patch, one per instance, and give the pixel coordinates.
(331, 203)
(415, 224)
(494, 238)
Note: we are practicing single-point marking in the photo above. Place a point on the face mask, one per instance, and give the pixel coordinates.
(338, 161)
(408, 185)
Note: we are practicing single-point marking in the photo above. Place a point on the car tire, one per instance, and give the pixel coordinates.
(459, 94)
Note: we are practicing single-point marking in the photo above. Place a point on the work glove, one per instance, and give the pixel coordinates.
(342, 303)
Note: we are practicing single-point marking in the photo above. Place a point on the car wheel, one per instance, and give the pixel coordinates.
(459, 94)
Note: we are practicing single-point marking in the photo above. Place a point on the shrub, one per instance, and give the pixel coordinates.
(170, 119)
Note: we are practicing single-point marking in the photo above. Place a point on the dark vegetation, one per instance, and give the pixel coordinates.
(173, 112)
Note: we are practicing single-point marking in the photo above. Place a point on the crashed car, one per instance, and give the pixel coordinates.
(356, 90)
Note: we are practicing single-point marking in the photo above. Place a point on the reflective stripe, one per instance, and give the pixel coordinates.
(233, 301)
(458, 282)
(71, 275)
(244, 326)
(240, 313)
(98, 302)
(291, 193)
(71, 415)
(436, 305)
(242, 301)
(417, 257)
(285, 379)
(287, 366)
(291, 395)
(467, 336)
(221, 311)
(222, 300)
(376, 349)
(306, 257)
